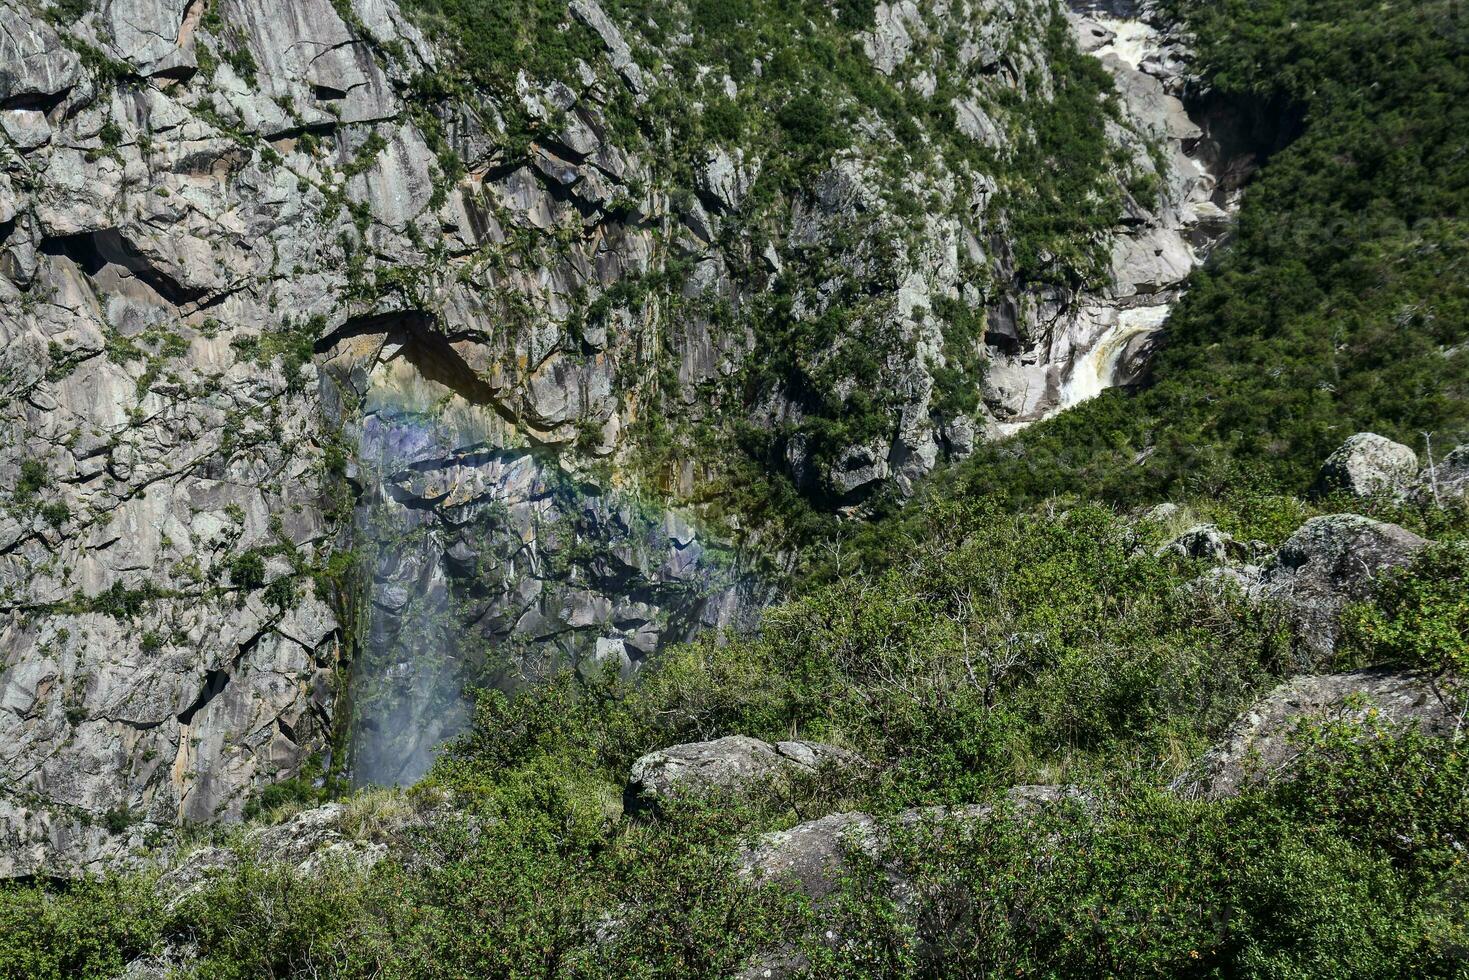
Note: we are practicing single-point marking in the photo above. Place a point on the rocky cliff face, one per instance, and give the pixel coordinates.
(326, 371)
(1067, 347)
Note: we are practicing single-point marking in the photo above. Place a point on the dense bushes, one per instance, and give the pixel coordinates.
(1420, 615)
(1340, 304)
(1298, 883)
(88, 930)
(997, 648)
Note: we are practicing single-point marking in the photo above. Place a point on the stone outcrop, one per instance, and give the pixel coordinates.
(164, 646)
(1444, 482)
(727, 764)
(305, 842)
(1259, 747)
(1368, 464)
(1329, 562)
(810, 856)
(334, 838)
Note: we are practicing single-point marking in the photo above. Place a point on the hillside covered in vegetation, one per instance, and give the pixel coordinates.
(1338, 307)
(1171, 682)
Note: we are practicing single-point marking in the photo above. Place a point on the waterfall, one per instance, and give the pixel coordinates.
(491, 562)
(1097, 369)
(408, 686)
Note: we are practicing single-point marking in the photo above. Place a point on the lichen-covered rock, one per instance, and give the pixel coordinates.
(305, 842)
(1240, 579)
(1329, 562)
(1368, 464)
(1203, 541)
(1259, 747)
(1444, 482)
(727, 764)
(810, 856)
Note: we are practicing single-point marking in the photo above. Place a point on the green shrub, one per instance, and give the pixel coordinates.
(1420, 615)
(32, 479)
(119, 601)
(118, 819)
(266, 920)
(83, 930)
(247, 570)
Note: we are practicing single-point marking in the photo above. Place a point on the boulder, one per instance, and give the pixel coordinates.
(1329, 562)
(1445, 482)
(811, 858)
(1162, 513)
(1367, 464)
(1204, 541)
(725, 765)
(1258, 748)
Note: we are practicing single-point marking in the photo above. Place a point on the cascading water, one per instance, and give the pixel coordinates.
(1102, 366)
(415, 663)
(489, 562)
(409, 682)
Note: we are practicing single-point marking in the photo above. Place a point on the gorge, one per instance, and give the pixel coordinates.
(681, 488)
(258, 284)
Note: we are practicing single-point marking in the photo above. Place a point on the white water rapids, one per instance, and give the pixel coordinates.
(1096, 369)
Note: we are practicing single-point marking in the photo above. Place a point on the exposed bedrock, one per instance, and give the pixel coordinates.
(487, 566)
(301, 363)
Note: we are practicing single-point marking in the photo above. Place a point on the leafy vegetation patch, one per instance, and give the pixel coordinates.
(1006, 649)
(1339, 306)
